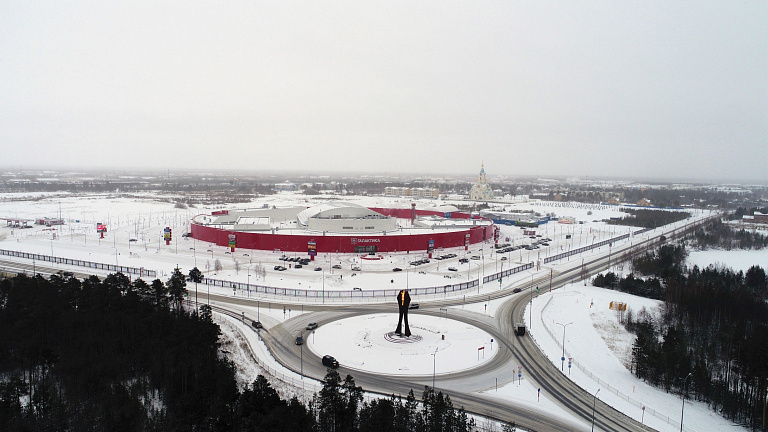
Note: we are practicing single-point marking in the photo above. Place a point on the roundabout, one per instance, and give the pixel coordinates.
(437, 345)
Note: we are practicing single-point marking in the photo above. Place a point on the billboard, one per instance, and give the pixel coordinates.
(101, 228)
(311, 248)
(232, 242)
(167, 235)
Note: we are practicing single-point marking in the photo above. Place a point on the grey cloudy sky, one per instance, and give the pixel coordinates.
(664, 89)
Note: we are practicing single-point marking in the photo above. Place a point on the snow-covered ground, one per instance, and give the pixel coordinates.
(738, 260)
(596, 342)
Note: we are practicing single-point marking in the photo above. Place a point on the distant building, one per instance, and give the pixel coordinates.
(395, 191)
(481, 190)
(286, 186)
(758, 217)
(644, 203)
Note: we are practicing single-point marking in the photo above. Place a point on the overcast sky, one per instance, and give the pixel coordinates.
(667, 89)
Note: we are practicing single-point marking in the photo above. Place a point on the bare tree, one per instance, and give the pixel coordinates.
(217, 267)
(237, 267)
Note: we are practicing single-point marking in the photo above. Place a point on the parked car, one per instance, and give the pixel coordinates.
(298, 266)
(330, 362)
(452, 269)
(337, 267)
(357, 289)
(311, 326)
(318, 268)
(463, 260)
(355, 268)
(413, 306)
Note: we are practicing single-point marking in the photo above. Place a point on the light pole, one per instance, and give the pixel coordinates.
(682, 411)
(594, 401)
(562, 359)
(434, 363)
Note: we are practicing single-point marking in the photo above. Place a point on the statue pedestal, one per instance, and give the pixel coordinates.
(402, 339)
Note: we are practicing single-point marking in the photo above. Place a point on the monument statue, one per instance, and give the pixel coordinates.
(403, 302)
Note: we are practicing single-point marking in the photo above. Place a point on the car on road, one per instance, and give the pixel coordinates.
(337, 267)
(318, 268)
(503, 258)
(463, 260)
(516, 290)
(280, 268)
(357, 289)
(397, 269)
(299, 340)
(312, 326)
(475, 257)
(452, 269)
(330, 362)
(256, 324)
(132, 240)
(413, 306)
(355, 268)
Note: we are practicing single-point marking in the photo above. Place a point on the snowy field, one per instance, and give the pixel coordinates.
(597, 343)
(738, 260)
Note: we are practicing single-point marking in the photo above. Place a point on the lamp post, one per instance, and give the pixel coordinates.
(682, 411)
(434, 363)
(594, 401)
(562, 359)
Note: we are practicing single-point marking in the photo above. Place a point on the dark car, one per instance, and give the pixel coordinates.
(452, 269)
(516, 290)
(463, 260)
(256, 324)
(318, 268)
(299, 340)
(337, 267)
(413, 306)
(298, 266)
(397, 269)
(330, 362)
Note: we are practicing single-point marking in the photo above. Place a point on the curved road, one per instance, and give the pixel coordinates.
(463, 387)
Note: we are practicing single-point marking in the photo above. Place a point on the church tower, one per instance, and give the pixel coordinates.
(481, 190)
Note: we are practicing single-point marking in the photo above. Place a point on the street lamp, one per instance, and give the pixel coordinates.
(562, 359)
(682, 411)
(594, 401)
(434, 363)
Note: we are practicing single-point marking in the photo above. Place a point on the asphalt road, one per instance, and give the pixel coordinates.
(462, 386)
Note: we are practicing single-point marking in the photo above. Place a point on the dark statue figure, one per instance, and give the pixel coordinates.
(403, 302)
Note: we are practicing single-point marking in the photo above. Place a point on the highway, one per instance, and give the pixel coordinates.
(463, 387)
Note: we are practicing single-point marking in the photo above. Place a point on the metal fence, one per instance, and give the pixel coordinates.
(584, 249)
(80, 263)
(255, 289)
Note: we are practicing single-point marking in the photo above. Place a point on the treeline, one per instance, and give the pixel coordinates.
(719, 235)
(714, 326)
(122, 355)
(649, 218)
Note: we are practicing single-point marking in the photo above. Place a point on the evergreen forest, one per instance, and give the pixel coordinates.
(119, 355)
(710, 339)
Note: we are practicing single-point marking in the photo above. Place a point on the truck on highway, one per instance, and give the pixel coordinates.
(520, 329)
